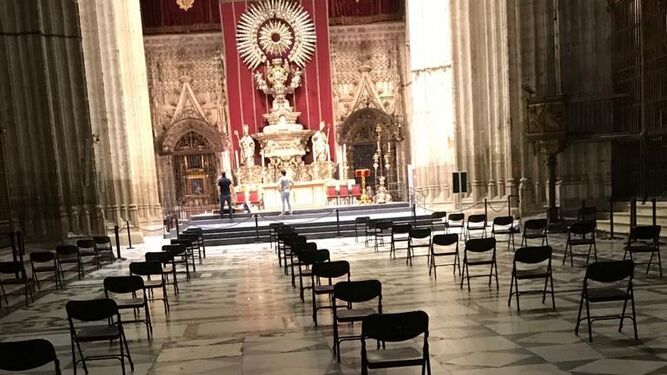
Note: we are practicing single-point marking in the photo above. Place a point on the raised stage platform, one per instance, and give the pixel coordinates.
(316, 223)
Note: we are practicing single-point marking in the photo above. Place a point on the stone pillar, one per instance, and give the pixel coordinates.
(49, 155)
(118, 90)
(432, 123)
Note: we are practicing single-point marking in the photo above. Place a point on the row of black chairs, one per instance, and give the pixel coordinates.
(294, 251)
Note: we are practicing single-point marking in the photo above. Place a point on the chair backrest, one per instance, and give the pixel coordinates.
(174, 249)
(254, 196)
(159, 256)
(535, 224)
(27, 355)
(383, 225)
(356, 190)
(331, 270)
(587, 213)
(361, 219)
(533, 254)
(583, 227)
(66, 250)
(610, 272)
(503, 221)
(456, 218)
(420, 232)
(300, 248)
(395, 327)
(401, 228)
(146, 268)
(344, 192)
(645, 232)
(42, 256)
(102, 241)
(287, 236)
(91, 310)
(445, 239)
(188, 236)
(295, 241)
(477, 219)
(437, 216)
(85, 244)
(480, 245)
(371, 224)
(357, 291)
(188, 244)
(240, 196)
(11, 267)
(123, 284)
(331, 192)
(314, 256)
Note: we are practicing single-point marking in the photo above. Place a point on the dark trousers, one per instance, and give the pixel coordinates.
(226, 198)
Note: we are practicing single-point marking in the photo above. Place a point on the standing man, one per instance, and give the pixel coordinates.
(225, 185)
(284, 185)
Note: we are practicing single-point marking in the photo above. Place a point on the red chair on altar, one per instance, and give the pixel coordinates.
(256, 200)
(240, 197)
(344, 194)
(356, 192)
(332, 194)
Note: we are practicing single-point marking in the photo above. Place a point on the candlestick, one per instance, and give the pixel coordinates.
(262, 158)
(237, 159)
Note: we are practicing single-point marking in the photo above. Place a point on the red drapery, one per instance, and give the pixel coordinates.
(347, 11)
(313, 99)
(165, 16)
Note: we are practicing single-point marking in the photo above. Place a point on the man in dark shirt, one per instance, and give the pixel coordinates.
(225, 186)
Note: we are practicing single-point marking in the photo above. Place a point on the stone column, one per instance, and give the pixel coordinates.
(118, 90)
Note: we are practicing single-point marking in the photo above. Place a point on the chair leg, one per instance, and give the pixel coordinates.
(495, 265)
(581, 305)
(625, 305)
(590, 322)
(634, 315)
(595, 251)
(509, 299)
(516, 291)
(553, 297)
(659, 262)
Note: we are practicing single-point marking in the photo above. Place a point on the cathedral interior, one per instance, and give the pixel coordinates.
(501, 134)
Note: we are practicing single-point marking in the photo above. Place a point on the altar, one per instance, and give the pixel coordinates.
(304, 194)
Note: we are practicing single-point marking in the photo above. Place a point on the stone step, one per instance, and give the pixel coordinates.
(623, 228)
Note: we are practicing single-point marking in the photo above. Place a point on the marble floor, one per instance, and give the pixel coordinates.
(240, 315)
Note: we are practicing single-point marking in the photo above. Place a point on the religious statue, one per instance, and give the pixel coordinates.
(276, 83)
(247, 146)
(320, 142)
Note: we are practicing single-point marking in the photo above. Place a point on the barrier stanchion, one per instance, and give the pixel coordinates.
(414, 212)
(633, 213)
(654, 203)
(256, 229)
(129, 237)
(116, 232)
(486, 209)
(178, 228)
(337, 223)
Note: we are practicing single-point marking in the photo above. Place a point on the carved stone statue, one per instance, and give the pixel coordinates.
(320, 142)
(247, 146)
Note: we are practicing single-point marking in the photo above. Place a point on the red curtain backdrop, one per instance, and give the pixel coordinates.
(165, 16)
(313, 99)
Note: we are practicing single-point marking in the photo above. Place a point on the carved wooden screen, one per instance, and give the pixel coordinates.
(195, 170)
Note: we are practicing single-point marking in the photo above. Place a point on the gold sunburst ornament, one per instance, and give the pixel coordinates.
(275, 29)
(185, 4)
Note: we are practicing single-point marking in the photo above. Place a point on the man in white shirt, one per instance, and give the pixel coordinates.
(284, 185)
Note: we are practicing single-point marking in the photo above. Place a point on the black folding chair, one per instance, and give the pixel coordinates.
(444, 245)
(180, 257)
(197, 234)
(329, 271)
(294, 257)
(369, 231)
(104, 249)
(188, 254)
(581, 233)
(476, 224)
(44, 262)
(87, 250)
(418, 238)
(480, 246)
(114, 286)
(532, 263)
(69, 254)
(195, 246)
(359, 222)
(400, 234)
(503, 226)
(438, 221)
(149, 270)
(17, 276)
(642, 240)
(535, 229)
(87, 312)
(168, 266)
(354, 292)
(456, 221)
(306, 261)
(395, 328)
(288, 245)
(273, 234)
(27, 355)
(612, 274)
(382, 231)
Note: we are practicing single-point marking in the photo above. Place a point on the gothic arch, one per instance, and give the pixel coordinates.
(168, 141)
(360, 126)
